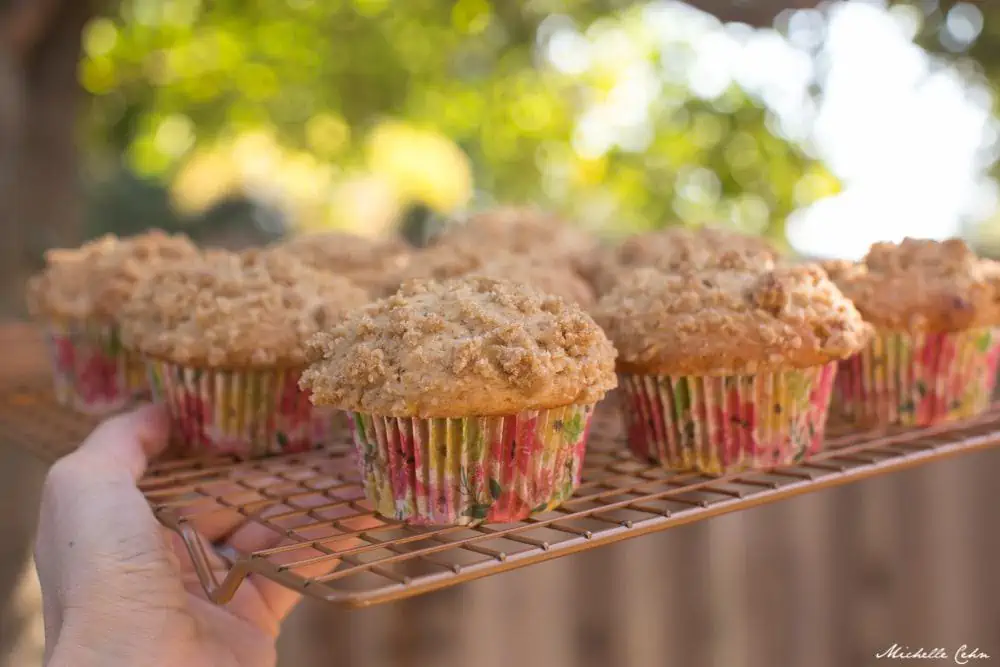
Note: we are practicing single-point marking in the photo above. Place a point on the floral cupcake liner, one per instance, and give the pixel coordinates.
(917, 379)
(249, 413)
(467, 471)
(92, 372)
(729, 423)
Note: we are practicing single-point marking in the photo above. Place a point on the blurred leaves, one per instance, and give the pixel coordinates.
(314, 106)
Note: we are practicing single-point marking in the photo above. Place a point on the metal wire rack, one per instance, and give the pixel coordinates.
(330, 545)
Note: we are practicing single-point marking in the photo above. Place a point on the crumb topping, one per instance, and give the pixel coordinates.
(446, 261)
(249, 310)
(96, 279)
(365, 261)
(465, 347)
(557, 279)
(922, 285)
(682, 249)
(523, 230)
(723, 321)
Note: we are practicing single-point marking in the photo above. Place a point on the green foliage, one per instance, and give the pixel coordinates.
(173, 79)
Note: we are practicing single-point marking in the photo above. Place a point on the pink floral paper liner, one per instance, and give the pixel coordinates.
(467, 471)
(918, 379)
(92, 372)
(249, 413)
(730, 423)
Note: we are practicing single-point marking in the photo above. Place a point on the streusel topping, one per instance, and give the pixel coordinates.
(683, 249)
(446, 261)
(722, 322)
(922, 285)
(365, 261)
(523, 230)
(465, 347)
(97, 278)
(557, 279)
(255, 310)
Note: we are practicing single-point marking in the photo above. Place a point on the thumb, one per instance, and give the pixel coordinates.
(98, 542)
(122, 444)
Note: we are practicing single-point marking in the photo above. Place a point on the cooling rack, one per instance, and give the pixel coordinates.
(328, 543)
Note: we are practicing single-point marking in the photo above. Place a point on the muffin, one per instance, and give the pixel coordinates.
(556, 279)
(454, 260)
(78, 298)
(935, 307)
(370, 263)
(680, 248)
(471, 398)
(224, 341)
(727, 369)
(524, 230)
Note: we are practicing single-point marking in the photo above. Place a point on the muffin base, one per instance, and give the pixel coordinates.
(730, 423)
(919, 379)
(249, 413)
(467, 471)
(91, 371)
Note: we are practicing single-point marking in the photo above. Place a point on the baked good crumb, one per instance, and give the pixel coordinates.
(922, 285)
(96, 279)
(523, 230)
(465, 347)
(725, 322)
(557, 279)
(368, 262)
(246, 310)
(679, 249)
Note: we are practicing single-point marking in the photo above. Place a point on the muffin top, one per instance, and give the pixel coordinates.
(557, 279)
(523, 230)
(466, 347)
(250, 310)
(445, 261)
(442, 262)
(682, 248)
(922, 285)
(365, 261)
(96, 279)
(724, 322)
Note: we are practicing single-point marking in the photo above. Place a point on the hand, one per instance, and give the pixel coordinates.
(119, 589)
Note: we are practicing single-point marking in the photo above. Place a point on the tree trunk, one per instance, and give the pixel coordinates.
(39, 107)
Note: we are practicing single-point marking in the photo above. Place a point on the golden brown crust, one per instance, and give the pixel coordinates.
(681, 249)
(453, 260)
(96, 279)
(922, 285)
(369, 262)
(465, 347)
(443, 262)
(249, 310)
(722, 322)
(523, 230)
(557, 279)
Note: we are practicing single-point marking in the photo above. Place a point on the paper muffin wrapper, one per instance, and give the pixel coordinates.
(92, 372)
(467, 471)
(249, 413)
(728, 423)
(917, 379)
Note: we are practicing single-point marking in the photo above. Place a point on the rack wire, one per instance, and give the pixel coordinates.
(329, 544)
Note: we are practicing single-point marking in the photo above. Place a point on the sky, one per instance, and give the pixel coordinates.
(909, 137)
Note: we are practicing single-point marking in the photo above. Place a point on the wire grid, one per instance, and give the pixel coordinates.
(327, 542)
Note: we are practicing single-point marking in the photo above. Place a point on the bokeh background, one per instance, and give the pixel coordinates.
(824, 126)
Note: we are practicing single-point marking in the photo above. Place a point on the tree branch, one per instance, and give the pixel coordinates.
(758, 13)
(23, 23)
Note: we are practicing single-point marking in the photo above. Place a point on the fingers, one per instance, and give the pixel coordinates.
(98, 542)
(123, 444)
